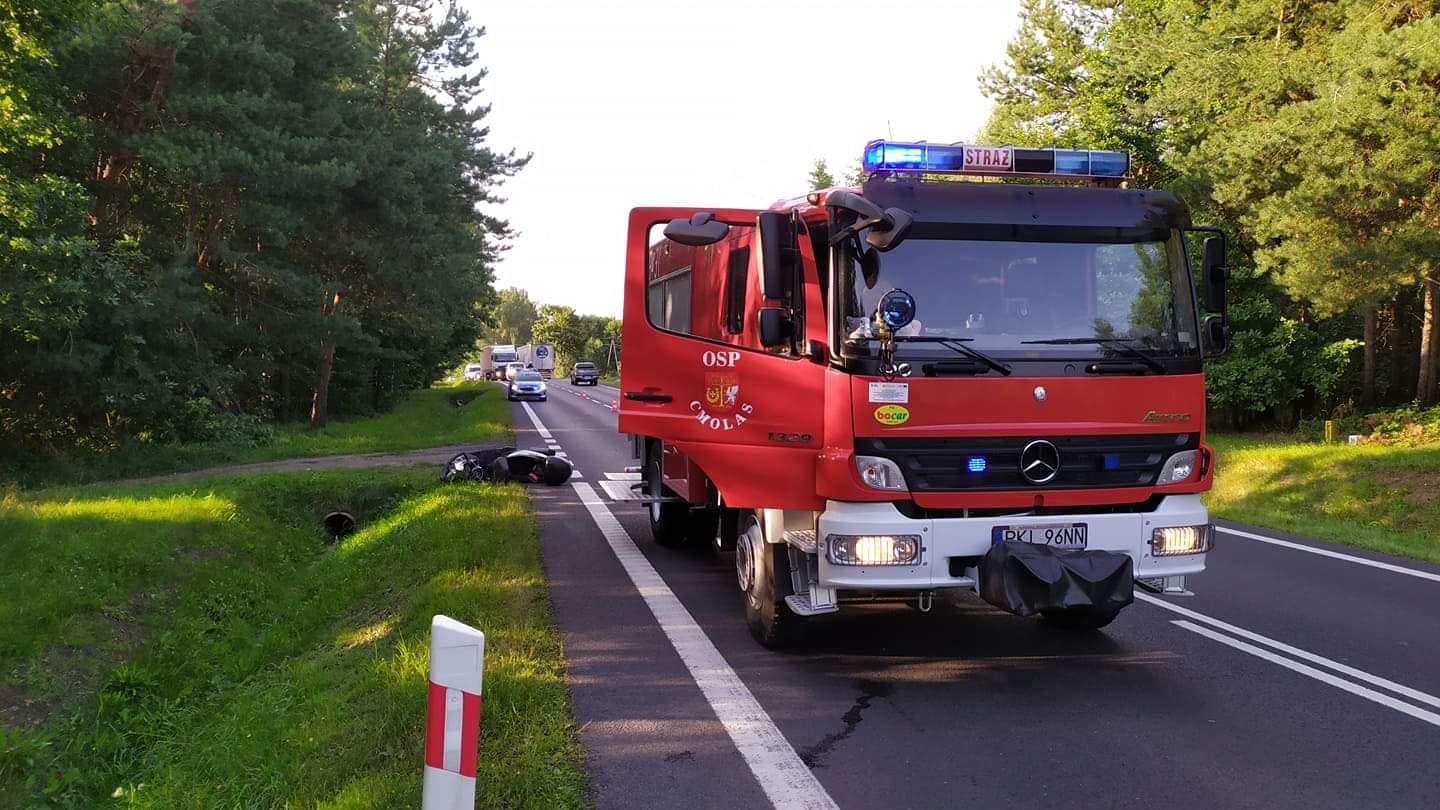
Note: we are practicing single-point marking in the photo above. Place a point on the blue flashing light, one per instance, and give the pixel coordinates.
(1110, 164)
(957, 158)
(1112, 461)
(1072, 161)
(976, 464)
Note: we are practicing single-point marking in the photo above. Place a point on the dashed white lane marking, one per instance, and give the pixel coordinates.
(786, 780)
(1311, 672)
(623, 476)
(617, 490)
(1296, 652)
(1325, 552)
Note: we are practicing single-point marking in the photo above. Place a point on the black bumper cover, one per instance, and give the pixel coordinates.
(1026, 578)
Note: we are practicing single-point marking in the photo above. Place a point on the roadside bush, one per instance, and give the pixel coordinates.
(197, 421)
(1408, 426)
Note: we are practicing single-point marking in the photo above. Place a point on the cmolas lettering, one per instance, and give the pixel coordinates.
(721, 421)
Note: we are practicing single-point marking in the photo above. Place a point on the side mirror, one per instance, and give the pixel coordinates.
(778, 253)
(1215, 332)
(702, 228)
(775, 327)
(1214, 272)
(887, 228)
(899, 222)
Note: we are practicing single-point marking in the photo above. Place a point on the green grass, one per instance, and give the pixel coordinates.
(426, 418)
(203, 645)
(1372, 496)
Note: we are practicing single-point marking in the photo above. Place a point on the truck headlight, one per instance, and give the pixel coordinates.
(1171, 540)
(880, 473)
(1178, 467)
(872, 549)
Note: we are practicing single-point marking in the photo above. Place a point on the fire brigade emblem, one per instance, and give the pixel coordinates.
(722, 391)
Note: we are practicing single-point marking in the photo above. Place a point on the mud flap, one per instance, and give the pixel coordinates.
(1026, 578)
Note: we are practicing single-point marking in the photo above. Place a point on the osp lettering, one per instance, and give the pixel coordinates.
(720, 359)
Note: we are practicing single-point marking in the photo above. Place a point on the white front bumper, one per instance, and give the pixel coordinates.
(943, 538)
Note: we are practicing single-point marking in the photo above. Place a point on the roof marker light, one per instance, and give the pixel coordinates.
(894, 156)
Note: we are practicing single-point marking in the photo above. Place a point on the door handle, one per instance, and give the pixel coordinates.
(648, 396)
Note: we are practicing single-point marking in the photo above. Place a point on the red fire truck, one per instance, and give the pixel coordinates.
(933, 381)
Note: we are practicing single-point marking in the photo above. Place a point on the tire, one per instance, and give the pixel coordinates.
(669, 522)
(763, 572)
(1079, 620)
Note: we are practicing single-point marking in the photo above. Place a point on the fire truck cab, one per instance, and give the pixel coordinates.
(930, 382)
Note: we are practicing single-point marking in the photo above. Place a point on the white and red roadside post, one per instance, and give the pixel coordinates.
(452, 719)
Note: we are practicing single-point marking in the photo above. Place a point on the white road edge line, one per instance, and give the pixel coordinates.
(1310, 672)
(1305, 655)
(539, 427)
(1325, 552)
(786, 780)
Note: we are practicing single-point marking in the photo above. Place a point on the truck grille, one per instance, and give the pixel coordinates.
(940, 464)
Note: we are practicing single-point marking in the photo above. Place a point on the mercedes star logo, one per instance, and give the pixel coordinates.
(1039, 393)
(1039, 462)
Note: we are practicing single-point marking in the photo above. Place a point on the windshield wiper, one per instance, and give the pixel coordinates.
(957, 345)
(1121, 345)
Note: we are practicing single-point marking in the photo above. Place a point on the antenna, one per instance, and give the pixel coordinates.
(889, 130)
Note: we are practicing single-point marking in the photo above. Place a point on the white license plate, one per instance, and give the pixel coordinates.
(1059, 535)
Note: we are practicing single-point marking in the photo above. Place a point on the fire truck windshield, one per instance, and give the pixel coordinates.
(1033, 300)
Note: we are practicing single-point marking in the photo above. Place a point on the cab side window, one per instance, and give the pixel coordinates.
(737, 274)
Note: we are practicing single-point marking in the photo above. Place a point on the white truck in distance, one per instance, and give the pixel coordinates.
(539, 356)
(495, 358)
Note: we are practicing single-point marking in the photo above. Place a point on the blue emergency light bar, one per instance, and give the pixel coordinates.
(894, 156)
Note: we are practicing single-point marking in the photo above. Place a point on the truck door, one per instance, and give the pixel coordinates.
(695, 374)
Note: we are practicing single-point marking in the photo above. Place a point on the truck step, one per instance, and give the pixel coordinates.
(800, 605)
(802, 539)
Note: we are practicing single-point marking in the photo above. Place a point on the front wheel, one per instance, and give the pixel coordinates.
(669, 522)
(763, 571)
(1082, 619)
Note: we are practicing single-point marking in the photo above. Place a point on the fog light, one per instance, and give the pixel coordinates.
(1172, 540)
(873, 549)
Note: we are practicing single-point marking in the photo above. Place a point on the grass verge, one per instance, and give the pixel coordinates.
(203, 645)
(426, 418)
(1376, 497)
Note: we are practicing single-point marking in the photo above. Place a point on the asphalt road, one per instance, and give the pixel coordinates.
(1291, 679)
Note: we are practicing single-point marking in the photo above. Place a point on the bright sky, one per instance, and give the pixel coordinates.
(725, 103)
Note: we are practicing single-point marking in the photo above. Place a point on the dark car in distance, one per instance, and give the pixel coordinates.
(584, 373)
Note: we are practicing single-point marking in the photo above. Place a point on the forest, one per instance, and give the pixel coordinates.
(215, 216)
(1310, 132)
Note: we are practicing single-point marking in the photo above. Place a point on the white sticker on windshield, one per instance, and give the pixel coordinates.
(890, 392)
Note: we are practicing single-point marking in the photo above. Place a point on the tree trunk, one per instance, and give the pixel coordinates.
(1425, 387)
(320, 403)
(1367, 374)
